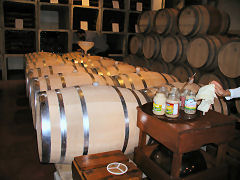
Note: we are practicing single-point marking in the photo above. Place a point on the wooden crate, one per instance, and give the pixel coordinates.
(92, 167)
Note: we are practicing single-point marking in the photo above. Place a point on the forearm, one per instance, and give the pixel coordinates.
(232, 93)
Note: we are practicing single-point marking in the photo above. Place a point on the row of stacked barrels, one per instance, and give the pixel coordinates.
(86, 104)
(189, 21)
(188, 41)
(195, 33)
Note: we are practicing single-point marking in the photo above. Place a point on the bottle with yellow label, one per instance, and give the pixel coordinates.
(172, 103)
(190, 103)
(159, 101)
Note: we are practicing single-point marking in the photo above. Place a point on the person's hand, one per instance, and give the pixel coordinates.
(219, 89)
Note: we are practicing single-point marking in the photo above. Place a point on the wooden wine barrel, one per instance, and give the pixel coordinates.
(202, 52)
(225, 18)
(44, 61)
(51, 70)
(86, 120)
(228, 59)
(89, 61)
(137, 61)
(144, 80)
(199, 19)
(145, 21)
(104, 63)
(136, 44)
(184, 71)
(82, 68)
(193, 87)
(216, 76)
(71, 55)
(47, 63)
(116, 69)
(160, 66)
(62, 81)
(237, 104)
(219, 104)
(135, 81)
(152, 46)
(84, 58)
(165, 21)
(173, 49)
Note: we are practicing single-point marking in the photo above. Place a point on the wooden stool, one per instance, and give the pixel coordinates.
(182, 137)
(94, 167)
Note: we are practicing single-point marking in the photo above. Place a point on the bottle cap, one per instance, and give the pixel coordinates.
(95, 84)
(137, 69)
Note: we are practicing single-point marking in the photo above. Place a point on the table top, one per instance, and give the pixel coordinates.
(185, 123)
(183, 134)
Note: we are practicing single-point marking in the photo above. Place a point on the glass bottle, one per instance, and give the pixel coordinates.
(182, 98)
(172, 104)
(190, 103)
(159, 101)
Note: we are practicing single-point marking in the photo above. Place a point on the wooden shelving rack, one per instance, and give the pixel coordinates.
(65, 25)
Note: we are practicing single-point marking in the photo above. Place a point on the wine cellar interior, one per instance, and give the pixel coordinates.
(72, 105)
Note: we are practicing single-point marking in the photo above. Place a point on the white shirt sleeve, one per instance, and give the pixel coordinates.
(235, 93)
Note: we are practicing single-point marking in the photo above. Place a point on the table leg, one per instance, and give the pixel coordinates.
(176, 165)
(142, 139)
(222, 148)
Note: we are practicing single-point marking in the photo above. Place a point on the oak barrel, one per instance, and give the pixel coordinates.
(216, 76)
(225, 18)
(228, 59)
(89, 61)
(173, 48)
(86, 120)
(136, 44)
(43, 61)
(145, 21)
(135, 81)
(160, 66)
(237, 104)
(152, 46)
(81, 68)
(202, 52)
(136, 61)
(62, 81)
(199, 19)
(165, 21)
(144, 80)
(184, 71)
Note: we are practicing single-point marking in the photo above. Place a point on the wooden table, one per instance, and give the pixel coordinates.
(181, 136)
